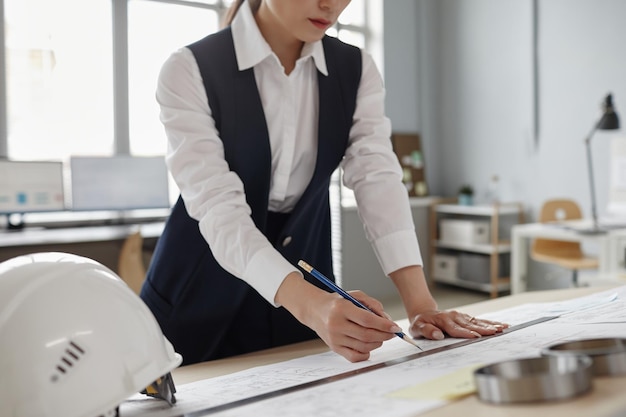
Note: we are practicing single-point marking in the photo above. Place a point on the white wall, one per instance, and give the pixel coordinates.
(409, 47)
(475, 92)
(582, 57)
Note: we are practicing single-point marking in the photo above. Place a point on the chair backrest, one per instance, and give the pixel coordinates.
(558, 210)
(130, 266)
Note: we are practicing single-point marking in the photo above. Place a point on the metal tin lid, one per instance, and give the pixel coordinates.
(608, 354)
(534, 379)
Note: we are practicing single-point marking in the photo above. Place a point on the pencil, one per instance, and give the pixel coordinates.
(336, 288)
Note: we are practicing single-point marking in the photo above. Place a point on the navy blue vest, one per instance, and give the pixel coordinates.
(203, 310)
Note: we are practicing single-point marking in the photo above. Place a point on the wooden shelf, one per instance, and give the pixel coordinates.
(477, 248)
(499, 216)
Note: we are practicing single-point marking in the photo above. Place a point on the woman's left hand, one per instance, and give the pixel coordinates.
(435, 324)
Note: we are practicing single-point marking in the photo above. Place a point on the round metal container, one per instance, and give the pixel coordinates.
(608, 354)
(545, 378)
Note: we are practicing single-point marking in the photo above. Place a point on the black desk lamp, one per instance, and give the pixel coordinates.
(608, 121)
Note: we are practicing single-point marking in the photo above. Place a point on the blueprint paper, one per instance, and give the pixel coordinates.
(374, 393)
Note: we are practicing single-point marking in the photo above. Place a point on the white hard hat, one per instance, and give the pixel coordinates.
(75, 340)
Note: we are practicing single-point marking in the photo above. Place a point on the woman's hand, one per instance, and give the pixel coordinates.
(430, 322)
(352, 331)
(434, 324)
(347, 329)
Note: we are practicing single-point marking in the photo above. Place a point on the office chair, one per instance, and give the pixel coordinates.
(131, 263)
(568, 255)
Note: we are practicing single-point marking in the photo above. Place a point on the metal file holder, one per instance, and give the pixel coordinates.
(608, 354)
(539, 379)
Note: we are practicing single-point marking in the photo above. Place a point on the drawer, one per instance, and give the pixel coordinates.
(445, 266)
(464, 232)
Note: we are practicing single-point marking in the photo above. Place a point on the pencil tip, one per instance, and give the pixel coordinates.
(413, 342)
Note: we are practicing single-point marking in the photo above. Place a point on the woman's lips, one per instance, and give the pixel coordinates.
(320, 23)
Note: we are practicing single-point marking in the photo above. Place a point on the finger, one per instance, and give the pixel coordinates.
(427, 330)
(488, 324)
(358, 345)
(370, 302)
(460, 325)
(484, 327)
(368, 327)
(448, 326)
(481, 326)
(455, 329)
(351, 354)
(463, 325)
(493, 323)
(372, 320)
(350, 348)
(454, 324)
(348, 320)
(476, 320)
(354, 349)
(363, 347)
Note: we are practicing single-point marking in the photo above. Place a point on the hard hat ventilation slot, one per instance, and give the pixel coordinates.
(71, 356)
(112, 413)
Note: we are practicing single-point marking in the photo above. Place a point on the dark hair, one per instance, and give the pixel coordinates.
(232, 10)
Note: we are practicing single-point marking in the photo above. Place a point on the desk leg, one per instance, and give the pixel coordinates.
(519, 262)
(606, 263)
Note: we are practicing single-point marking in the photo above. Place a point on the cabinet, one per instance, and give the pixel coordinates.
(471, 246)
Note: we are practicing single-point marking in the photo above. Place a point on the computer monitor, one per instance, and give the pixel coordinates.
(31, 186)
(118, 183)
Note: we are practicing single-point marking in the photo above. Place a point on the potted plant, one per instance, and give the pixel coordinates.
(466, 195)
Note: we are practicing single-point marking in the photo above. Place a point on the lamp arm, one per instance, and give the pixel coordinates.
(593, 130)
(594, 212)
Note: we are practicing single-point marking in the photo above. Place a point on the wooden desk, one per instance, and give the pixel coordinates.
(607, 399)
(521, 235)
(101, 243)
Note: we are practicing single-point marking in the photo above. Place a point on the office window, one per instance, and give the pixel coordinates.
(155, 30)
(58, 78)
(351, 23)
(74, 87)
(61, 64)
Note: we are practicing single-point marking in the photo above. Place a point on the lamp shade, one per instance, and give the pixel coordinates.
(609, 119)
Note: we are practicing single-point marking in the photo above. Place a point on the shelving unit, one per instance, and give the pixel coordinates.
(492, 252)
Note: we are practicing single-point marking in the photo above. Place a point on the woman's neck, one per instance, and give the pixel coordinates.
(286, 46)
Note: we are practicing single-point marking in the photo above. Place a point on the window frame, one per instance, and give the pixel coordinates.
(4, 131)
(121, 93)
(119, 22)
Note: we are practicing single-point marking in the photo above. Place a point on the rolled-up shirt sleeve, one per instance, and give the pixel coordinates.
(213, 194)
(372, 171)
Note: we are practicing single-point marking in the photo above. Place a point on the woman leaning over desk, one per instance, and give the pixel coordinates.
(258, 116)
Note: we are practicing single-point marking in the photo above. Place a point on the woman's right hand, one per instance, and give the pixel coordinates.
(347, 329)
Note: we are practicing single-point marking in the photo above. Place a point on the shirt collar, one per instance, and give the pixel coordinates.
(251, 48)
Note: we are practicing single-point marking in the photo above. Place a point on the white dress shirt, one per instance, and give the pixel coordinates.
(214, 195)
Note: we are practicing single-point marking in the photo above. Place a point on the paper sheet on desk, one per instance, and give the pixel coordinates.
(614, 312)
(369, 393)
(448, 387)
(531, 311)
